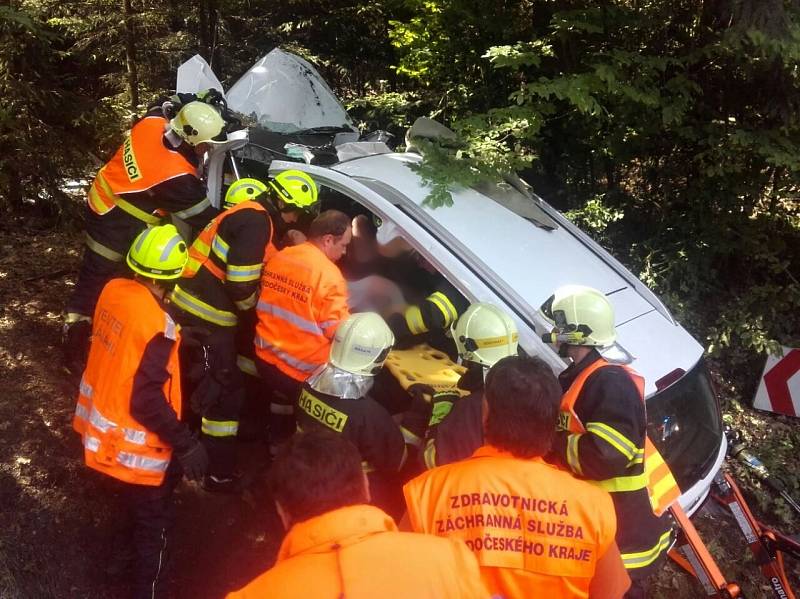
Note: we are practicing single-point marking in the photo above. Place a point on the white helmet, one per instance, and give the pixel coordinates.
(485, 334)
(361, 344)
(198, 123)
(580, 316)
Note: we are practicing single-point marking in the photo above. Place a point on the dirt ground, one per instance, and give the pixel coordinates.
(57, 517)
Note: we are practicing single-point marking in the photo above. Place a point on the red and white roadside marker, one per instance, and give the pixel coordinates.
(779, 389)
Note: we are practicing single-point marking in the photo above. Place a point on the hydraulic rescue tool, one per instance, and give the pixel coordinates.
(766, 544)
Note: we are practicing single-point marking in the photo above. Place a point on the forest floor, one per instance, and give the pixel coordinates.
(57, 518)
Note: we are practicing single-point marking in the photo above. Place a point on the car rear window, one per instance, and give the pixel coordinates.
(685, 424)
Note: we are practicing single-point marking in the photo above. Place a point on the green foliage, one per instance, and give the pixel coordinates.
(595, 217)
(475, 158)
(40, 112)
(681, 118)
(387, 110)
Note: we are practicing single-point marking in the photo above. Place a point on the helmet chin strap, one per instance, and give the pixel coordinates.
(173, 138)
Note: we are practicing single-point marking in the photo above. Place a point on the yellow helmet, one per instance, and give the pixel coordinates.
(158, 253)
(485, 334)
(243, 190)
(199, 123)
(361, 344)
(580, 316)
(297, 190)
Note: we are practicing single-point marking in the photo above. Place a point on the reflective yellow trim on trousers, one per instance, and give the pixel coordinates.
(642, 559)
(614, 438)
(573, 461)
(219, 428)
(446, 307)
(414, 321)
(623, 483)
(102, 250)
(189, 303)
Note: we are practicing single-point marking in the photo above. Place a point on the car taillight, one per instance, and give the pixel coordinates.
(670, 378)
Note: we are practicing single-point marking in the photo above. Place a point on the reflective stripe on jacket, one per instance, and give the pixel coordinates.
(210, 250)
(127, 317)
(647, 467)
(142, 162)
(213, 296)
(357, 552)
(536, 530)
(642, 489)
(303, 299)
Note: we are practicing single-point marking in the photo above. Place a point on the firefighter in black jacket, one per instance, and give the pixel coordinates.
(152, 174)
(452, 425)
(219, 287)
(337, 397)
(603, 427)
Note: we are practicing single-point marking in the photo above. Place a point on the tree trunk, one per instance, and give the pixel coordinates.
(208, 26)
(130, 57)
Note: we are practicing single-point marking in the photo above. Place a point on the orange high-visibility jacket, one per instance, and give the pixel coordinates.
(536, 530)
(654, 474)
(303, 299)
(127, 317)
(142, 162)
(356, 552)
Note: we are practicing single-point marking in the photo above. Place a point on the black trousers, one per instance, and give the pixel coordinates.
(115, 230)
(94, 273)
(216, 389)
(143, 535)
(638, 589)
(284, 391)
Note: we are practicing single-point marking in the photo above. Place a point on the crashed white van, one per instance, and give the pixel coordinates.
(501, 244)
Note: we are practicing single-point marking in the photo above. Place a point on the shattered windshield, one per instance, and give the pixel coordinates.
(285, 94)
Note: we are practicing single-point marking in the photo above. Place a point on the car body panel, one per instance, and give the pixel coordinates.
(531, 262)
(285, 94)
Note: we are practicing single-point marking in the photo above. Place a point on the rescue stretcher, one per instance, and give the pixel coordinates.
(425, 365)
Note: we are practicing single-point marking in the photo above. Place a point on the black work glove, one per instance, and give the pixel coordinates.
(420, 392)
(194, 460)
(416, 419)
